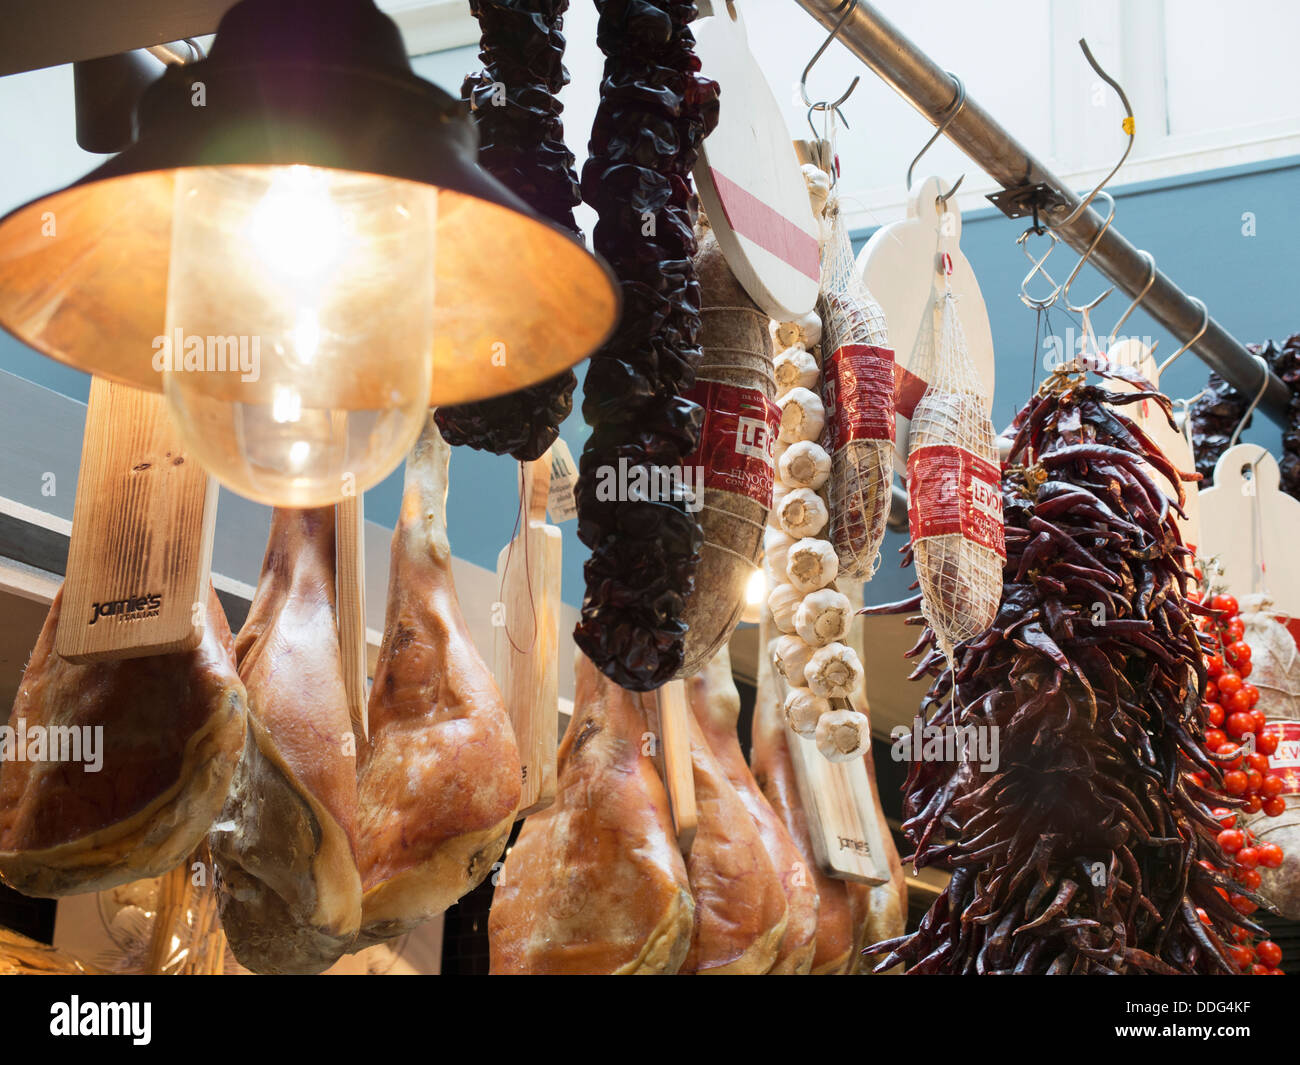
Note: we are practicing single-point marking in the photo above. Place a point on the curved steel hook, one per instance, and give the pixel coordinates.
(1065, 291)
(1205, 324)
(1025, 297)
(1129, 128)
(1263, 387)
(1151, 280)
(825, 105)
(954, 110)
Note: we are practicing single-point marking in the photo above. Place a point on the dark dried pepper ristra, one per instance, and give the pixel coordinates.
(1286, 364)
(654, 111)
(1079, 852)
(521, 143)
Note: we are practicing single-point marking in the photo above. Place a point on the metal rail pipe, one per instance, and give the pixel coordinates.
(927, 86)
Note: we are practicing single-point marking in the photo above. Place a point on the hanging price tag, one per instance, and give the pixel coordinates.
(561, 503)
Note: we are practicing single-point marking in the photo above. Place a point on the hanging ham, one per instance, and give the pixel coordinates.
(595, 883)
(170, 731)
(715, 702)
(440, 777)
(290, 895)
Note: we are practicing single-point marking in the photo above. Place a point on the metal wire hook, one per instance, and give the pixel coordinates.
(1065, 292)
(954, 110)
(1129, 128)
(1263, 387)
(1205, 324)
(1025, 297)
(1151, 280)
(825, 105)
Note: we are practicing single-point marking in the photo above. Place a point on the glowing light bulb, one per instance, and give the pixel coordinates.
(299, 327)
(755, 596)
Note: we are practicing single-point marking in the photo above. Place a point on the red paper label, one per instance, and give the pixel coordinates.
(736, 440)
(1285, 761)
(858, 393)
(950, 490)
(908, 390)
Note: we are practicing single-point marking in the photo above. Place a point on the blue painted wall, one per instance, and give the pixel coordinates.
(1193, 226)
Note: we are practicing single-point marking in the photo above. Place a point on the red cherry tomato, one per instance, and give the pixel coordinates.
(1251, 693)
(1234, 782)
(1271, 786)
(1239, 934)
(1257, 762)
(1244, 670)
(1211, 692)
(1249, 879)
(1269, 953)
(1241, 957)
(1239, 722)
(1214, 739)
(1225, 817)
(1275, 807)
(1247, 857)
(1271, 856)
(1253, 804)
(1253, 780)
(1214, 667)
(1237, 653)
(1234, 630)
(1228, 683)
(1243, 905)
(1231, 840)
(1224, 604)
(1267, 742)
(1260, 720)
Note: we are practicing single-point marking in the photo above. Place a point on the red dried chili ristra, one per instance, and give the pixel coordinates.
(1075, 848)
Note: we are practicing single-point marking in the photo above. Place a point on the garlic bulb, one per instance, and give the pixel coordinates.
(779, 492)
(834, 670)
(804, 464)
(802, 415)
(843, 735)
(803, 710)
(810, 329)
(811, 564)
(776, 549)
(819, 186)
(801, 512)
(823, 617)
(791, 657)
(788, 334)
(795, 368)
(783, 601)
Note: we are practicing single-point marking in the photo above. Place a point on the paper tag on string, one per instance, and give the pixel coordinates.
(561, 503)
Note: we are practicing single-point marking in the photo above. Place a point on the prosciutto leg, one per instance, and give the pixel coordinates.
(440, 777)
(288, 887)
(716, 705)
(167, 732)
(595, 883)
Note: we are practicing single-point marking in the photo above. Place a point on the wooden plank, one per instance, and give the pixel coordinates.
(142, 531)
(526, 638)
(350, 602)
(679, 773)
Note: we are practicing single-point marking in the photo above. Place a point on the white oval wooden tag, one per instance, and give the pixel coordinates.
(749, 179)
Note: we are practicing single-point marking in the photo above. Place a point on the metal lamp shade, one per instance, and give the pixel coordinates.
(84, 271)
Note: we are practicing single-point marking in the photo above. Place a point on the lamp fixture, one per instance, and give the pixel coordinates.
(301, 252)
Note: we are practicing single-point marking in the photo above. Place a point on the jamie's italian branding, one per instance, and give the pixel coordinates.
(737, 448)
(132, 608)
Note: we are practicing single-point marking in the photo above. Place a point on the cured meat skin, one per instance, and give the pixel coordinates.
(716, 706)
(740, 906)
(595, 883)
(440, 777)
(842, 912)
(288, 888)
(172, 729)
